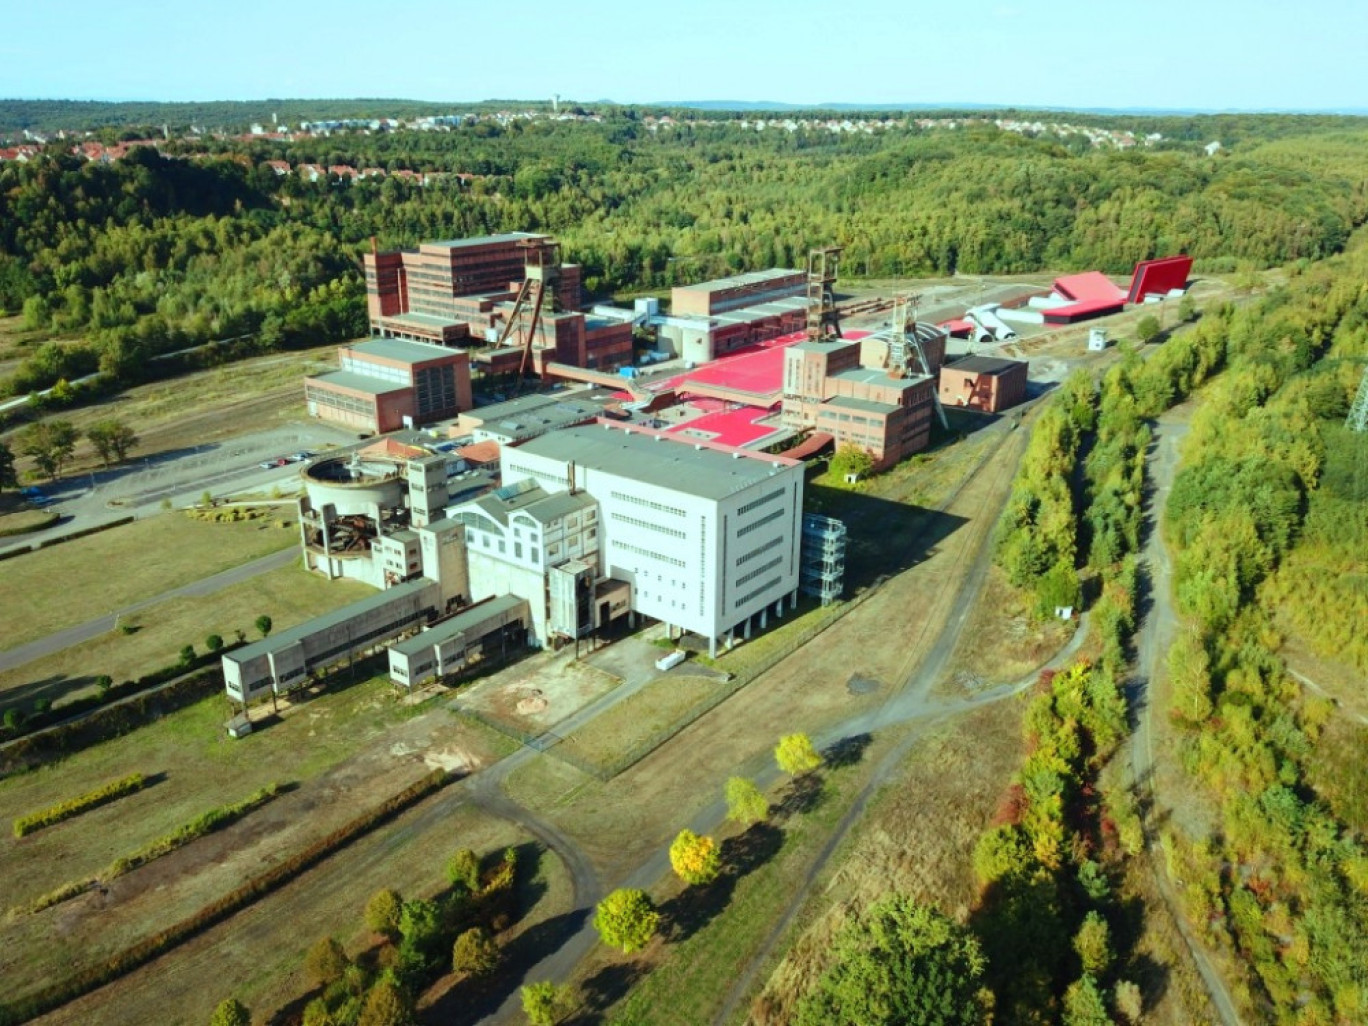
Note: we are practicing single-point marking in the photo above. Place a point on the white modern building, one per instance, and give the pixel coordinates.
(705, 537)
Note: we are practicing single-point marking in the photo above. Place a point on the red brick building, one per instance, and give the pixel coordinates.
(447, 292)
(983, 383)
(386, 384)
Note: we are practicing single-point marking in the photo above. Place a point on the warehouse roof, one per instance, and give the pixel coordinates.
(848, 402)
(356, 382)
(403, 350)
(707, 470)
(293, 635)
(985, 365)
(740, 280)
(459, 624)
(481, 240)
(878, 376)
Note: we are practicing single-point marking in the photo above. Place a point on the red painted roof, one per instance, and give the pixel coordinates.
(957, 326)
(757, 369)
(481, 452)
(1088, 308)
(1090, 286)
(730, 427)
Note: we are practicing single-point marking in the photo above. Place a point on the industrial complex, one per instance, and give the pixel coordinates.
(666, 486)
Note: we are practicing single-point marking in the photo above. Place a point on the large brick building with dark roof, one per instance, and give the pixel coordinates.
(386, 384)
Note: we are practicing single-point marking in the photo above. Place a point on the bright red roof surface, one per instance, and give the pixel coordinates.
(1079, 311)
(730, 427)
(757, 370)
(1089, 287)
(957, 326)
(1159, 277)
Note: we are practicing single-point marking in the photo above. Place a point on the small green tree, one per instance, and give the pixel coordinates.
(111, 438)
(326, 961)
(695, 858)
(231, 1012)
(1093, 944)
(851, 459)
(463, 870)
(50, 443)
(187, 655)
(102, 685)
(263, 625)
(1083, 1004)
(475, 952)
(899, 962)
(544, 1003)
(386, 1005)
(213, 643)
(1187, 309)
(1147, 329)
(746, 803)
(383, 912)
(207, 499)
(796, 755)
(626, 920)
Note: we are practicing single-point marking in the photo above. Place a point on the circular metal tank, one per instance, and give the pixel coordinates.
(355, 484)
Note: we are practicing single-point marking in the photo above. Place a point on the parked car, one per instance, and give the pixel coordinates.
(31, 492)
(267, 464)
(305, 454)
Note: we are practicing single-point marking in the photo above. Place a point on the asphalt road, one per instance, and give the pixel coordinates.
(94, 628)
(138, 487)
(1151, 645)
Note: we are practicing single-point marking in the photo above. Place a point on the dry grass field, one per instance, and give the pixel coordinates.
(90, 577)
(338, 754)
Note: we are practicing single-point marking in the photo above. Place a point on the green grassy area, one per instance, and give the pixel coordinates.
(698, 970)
(18, 517)
(606, 739)
(288, 596)
(90, 577)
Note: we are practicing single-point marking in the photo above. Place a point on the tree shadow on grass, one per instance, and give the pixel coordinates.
(848, 751)
(604, 989)
(695, 907)
(472, 999)
(803, 795)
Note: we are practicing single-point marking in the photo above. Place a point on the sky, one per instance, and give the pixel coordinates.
(1152, 54)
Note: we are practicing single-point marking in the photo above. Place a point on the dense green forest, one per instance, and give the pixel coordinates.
(155, 254)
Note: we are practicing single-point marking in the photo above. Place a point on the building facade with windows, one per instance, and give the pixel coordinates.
(387, 384)
(705, 538)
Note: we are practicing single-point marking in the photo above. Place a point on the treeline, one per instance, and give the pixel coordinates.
(1280, 880)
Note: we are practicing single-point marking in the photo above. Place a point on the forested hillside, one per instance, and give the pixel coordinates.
(154, 254)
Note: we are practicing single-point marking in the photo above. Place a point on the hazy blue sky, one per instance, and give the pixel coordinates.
(1209, 54)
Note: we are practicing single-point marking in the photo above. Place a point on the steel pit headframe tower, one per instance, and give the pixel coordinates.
(541, 272)
(823, 322)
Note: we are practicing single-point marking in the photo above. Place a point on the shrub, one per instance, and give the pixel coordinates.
(694, 858)
(213, 643)
(796, 755)
(326, 961)
(475, 952)
(463, 870)
(75, 806)
(746, 803)
(231, 1012)
(383, 912)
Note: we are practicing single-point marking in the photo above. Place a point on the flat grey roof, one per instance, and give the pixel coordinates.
(759, 311)
(991, 365)
(358, 382)
(808, 346)
(878, 376)
(532, 414)
(292, 635)
(403, 349)
(739, 280)
(458, 624)
(681, 465)
(482, 240)
(847, 402)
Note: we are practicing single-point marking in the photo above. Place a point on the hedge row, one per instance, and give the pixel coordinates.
(215, 912)
(214, 819)
(75, 806)
(54, 743)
